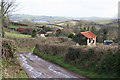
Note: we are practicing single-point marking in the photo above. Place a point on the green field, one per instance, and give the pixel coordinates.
(16, 35)
(16, 27)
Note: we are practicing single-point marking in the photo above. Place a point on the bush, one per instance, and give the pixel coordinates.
(79, 38)
(110, 64)
(58, 32)
(71, 35)
(8, 49)
(34, 33)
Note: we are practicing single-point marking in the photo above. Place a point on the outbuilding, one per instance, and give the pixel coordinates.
(91, 38)
(41, 33)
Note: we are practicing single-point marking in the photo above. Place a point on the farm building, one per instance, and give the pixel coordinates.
(41, 33)
(21, 29)
(91, 38)
(26, 31)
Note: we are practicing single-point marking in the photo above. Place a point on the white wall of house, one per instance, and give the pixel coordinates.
(42, 35)
(91, 42)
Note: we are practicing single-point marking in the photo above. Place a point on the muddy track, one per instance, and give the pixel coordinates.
(36, 67)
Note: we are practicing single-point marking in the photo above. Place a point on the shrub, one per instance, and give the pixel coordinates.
(72, 54)
(8, 49)
(58, 32)
(34, 33)
(71, 35)
(79, 38)
(110, 64)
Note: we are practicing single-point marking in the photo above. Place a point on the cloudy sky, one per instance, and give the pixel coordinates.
(69, 8)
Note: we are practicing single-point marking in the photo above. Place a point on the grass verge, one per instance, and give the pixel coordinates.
(12, 70)
(25, 49)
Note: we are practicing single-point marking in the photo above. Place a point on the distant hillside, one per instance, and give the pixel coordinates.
(98, 23)
(40, 19)
(51, 19)
(92, 18)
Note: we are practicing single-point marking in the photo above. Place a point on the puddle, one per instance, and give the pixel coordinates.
(60, 73)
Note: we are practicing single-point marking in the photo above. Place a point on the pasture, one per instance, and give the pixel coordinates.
(16, 35)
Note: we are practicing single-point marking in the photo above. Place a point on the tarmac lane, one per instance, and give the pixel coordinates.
(36, 67)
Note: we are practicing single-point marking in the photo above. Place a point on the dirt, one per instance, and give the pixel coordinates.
(36, 67)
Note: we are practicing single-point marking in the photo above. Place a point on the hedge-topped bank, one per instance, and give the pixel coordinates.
(10, 63)
(31, 42)
(89, 61)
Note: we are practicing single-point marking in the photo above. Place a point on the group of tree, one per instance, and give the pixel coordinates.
(60, 32)
(102, 34)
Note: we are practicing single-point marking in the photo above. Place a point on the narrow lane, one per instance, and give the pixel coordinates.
(36, 67)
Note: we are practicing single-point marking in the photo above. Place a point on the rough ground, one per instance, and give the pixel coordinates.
(35, 67)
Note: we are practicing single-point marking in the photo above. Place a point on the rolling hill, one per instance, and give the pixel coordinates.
(51, 19)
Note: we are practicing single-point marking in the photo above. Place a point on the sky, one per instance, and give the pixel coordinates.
(69, 8)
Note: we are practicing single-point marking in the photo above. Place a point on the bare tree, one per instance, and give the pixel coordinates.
(6, 8)
(30, 23)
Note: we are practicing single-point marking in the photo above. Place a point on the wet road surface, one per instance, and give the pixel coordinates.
(36, 67)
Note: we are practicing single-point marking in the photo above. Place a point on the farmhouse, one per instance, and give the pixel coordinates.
(41, 33)
(91, 38)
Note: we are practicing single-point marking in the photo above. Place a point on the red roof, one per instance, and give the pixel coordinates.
(88, 34)
(21, 29)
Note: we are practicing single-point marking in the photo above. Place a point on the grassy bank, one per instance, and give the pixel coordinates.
(12, 70)
(11, 67)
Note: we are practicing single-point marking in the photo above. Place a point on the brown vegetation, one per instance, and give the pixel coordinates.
(31, 42)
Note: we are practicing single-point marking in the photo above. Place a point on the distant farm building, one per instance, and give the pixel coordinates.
(108, 42)
(21, 29)
(41, 33)
(91, 38)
